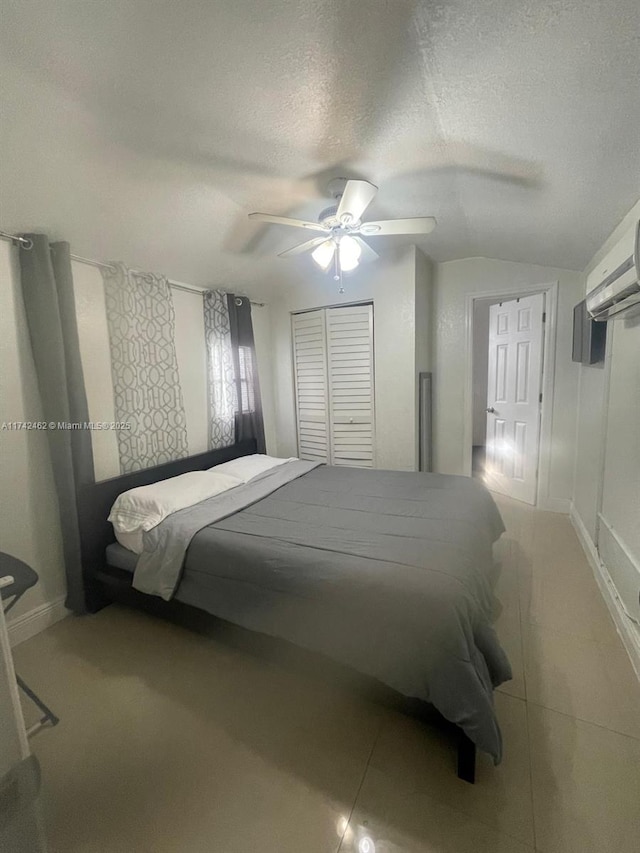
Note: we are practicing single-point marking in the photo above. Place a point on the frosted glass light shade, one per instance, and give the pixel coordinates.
(323, 254)
(350, 252)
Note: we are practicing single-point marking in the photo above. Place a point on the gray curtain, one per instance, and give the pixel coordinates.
(220, 371)
(47, 287)
(249, 421)
(144, 367)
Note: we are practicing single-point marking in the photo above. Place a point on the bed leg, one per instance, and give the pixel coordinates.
(466, 759)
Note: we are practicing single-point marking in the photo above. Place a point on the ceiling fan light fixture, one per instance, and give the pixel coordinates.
(350, 252)
(342, 228)
(323, 254)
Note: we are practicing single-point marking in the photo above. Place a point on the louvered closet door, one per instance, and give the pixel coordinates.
(351, 390)
(312, 397)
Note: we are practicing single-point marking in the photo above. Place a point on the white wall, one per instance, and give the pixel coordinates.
(592, 413)
(619, 532)
(192, 367)
(391, 285)
(589, 451)
(621, 483)
(607, 458)
(261, 317)
(454, 281)
(29, 520)
(93, 337)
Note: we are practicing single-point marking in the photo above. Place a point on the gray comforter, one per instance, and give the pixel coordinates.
(387, 572)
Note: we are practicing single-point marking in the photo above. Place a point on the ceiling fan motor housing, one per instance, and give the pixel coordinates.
(328, 216)
(329, 219)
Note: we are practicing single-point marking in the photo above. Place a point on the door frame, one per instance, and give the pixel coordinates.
(550, 291)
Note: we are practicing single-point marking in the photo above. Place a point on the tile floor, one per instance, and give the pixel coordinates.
(176, 742)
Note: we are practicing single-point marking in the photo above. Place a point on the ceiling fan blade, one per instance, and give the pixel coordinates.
(367, 252)
(285, 220)
(356, 198)
(389, 227)
(308, 246)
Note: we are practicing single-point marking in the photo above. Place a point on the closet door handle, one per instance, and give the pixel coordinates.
(491, 410)
(350, 420)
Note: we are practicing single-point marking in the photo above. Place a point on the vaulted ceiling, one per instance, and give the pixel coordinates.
(146, 130)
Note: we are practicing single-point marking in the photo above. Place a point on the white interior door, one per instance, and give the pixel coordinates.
(312, 393)
(334, 377)
(513, 396)
(351, 391)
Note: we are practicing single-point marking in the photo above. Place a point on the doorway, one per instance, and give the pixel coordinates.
(480, 383)
(507, 350)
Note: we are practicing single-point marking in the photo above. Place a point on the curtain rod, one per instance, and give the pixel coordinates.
(176, 285)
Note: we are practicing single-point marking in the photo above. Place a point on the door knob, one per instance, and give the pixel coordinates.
(491, 410)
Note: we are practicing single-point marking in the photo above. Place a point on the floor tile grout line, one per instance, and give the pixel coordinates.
(546, 707)
(572, 635)
(531, 704)
(522, 657)
(581, 720)
(533, 805)
(591, 640)
(435, 798)
(445, 802)
(526, 711)
(531, 782)
(364, 775)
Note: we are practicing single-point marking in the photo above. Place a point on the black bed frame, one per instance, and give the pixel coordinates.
(106, 584)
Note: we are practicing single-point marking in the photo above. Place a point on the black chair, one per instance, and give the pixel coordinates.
(24, 578)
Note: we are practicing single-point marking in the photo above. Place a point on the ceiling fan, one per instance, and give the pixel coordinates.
(342, 229)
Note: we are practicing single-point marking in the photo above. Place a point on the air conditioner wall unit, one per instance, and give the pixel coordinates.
(614, 285)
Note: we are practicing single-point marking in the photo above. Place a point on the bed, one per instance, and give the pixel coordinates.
(388, 573)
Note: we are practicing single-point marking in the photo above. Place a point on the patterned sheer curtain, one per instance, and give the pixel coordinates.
(220, 370)
(144, 366)
(235, 407)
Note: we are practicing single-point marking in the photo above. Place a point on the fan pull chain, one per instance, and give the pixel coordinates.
(337, 276)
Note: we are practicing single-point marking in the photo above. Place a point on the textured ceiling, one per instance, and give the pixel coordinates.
(146, 130)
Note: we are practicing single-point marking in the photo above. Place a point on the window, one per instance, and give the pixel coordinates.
(246, 380)
(222, 386)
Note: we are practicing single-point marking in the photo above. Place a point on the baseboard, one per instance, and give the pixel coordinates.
(628, 632)
(622, 565)
(588, 545)
(29, 624)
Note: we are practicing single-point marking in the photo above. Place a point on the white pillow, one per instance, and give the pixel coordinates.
(145, 507)
(131, 541)
(245, 468)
